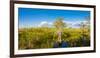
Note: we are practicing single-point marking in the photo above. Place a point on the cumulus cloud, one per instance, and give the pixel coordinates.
(45, 24)
(74, 24)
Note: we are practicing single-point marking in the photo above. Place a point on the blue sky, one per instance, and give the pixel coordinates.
(32, 17)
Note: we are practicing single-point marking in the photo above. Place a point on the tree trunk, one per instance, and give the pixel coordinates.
(59, 35)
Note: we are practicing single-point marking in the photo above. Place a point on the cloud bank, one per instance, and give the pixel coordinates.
(70, 24)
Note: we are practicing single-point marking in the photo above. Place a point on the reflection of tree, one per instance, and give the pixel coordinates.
(59, 24)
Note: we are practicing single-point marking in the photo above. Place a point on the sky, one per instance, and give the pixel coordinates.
(33, 17)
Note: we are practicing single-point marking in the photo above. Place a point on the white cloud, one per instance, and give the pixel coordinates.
(45, 24)
(74, 24)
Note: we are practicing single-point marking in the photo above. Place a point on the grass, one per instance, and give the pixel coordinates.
(38, 38)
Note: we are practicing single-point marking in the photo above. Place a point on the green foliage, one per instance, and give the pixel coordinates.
(36, 38)
(59, 23)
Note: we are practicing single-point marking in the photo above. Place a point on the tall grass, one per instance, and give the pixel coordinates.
(37, 38)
